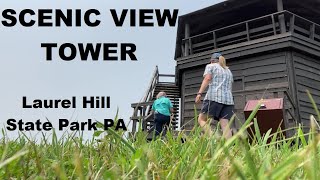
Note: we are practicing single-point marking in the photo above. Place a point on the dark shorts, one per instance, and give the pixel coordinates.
(217, 110)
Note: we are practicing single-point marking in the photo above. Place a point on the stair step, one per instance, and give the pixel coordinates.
(172, 96)
(167, 92)
(166, 85)
(169, 87)
(158, 89)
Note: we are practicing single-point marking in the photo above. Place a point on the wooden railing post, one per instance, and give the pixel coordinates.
(157, 76)
(248, 33)
(190, 46)
(214, 40)
(273, 24)
(312, 31)
(182, 48)
(292, 21)
(134, 122)
(187, 36)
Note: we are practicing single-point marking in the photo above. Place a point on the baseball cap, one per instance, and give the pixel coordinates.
(215, 56)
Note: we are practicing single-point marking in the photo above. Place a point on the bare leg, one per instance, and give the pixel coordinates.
(202, 120)
(225, 128)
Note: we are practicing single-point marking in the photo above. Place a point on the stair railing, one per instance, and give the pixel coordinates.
(142, 107)
(154, 80)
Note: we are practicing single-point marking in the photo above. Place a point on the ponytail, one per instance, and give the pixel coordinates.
(222, 62)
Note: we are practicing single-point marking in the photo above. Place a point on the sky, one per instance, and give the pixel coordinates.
(25, 72)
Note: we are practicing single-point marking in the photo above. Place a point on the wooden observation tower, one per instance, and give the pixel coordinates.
(271, 46)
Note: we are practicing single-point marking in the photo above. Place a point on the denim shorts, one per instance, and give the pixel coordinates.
(217, 110)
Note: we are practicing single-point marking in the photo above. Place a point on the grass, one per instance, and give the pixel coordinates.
(200, 157)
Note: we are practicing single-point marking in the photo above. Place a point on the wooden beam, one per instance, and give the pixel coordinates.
(280, 5)
(312, 31)
(190, 46)
(293, 83)
(214, 40)
(292, 21)
(134, 126)
(186, 36)
(273, 25)
(281, 17)
(248, 31)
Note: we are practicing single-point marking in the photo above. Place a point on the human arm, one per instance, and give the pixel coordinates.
(206, 81)
(171, 109)
(153, 109)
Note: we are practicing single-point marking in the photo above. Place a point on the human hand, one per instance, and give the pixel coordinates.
(198, 99)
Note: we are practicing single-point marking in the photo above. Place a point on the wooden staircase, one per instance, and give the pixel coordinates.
(142, 110)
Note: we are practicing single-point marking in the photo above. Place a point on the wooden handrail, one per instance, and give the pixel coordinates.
(214, 36)
(153, 81)
(167, 75)
(141, 104)
(237, 24)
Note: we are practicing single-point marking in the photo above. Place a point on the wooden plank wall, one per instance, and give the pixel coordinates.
(307, 70)
(251, 75)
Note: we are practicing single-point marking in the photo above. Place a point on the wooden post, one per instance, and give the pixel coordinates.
(144, 124)
(186, 36)
(312, 31)
(190, 46)
(182, 49)
(248, 31)
(134, 121)
(134, 126)
(215, 40)
(292, 19)
(290, 61)
(282, 22)
(273, 25)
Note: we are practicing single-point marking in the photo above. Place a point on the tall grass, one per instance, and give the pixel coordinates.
(199, 157)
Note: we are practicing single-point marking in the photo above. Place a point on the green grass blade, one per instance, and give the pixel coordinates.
(257, 131)
(314, 104)
(301, 136)
(125, 142)
(12, 158)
